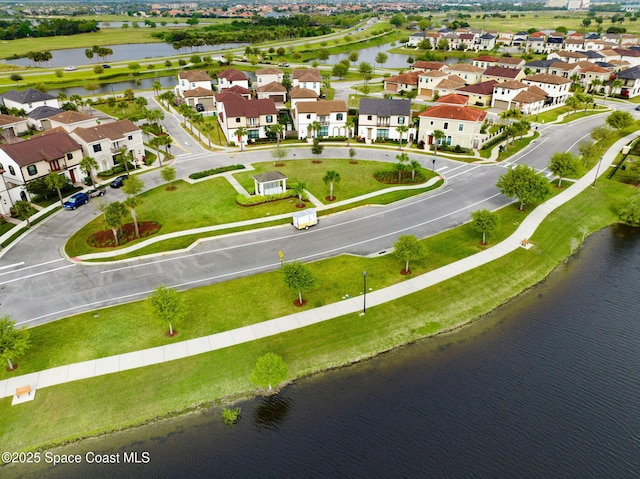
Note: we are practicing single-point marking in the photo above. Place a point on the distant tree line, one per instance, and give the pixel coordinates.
(14, 29)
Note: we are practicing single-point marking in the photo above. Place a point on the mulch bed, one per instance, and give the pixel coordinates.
(299, 304)
(104, 238)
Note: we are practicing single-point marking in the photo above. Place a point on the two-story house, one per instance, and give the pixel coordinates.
(12, 127)
(252, 115)
(190, 80)
(479, 94)
(28, 160)
(469, 73)
(308, 78)
(501, 74)
(555, 87)
(69, 121)
(28, 99)
(267, 75)
(379, 119)
(107, 141)
(232, 77)
(460, 124)
(274, 90)
(631, 82)
(331, 117)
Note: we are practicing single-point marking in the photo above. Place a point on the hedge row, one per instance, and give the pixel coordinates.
(215, 171)
(258, 200)
(494, 141)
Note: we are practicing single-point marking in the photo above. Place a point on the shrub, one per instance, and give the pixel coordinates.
(231, 416)
(215, 171)
(258, 200)
(494, 141)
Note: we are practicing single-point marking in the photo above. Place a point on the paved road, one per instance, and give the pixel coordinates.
(37, 285)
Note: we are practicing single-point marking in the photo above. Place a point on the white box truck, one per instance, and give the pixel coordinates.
(305, 218)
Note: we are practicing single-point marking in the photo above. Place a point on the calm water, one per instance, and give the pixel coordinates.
(545, 387)
(395, 60)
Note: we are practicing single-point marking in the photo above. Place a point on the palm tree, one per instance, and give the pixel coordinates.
(330, 178)
(277, 129)
(572, 102)
(402, 129)
(315, 127)
(87, 165)
(437, 136)
(299, 189)
(614, 85)
(155, 142)
(156, 87)
(55, 181)
(414, 165)
(207, 129)
(131, 187)
(240, 132)
(401, 166)
(124, 157)
(198, 120)
(595, 83)
(350, 124)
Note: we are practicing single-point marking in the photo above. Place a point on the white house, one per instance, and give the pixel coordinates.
(330, 115)
(379, 119)
(12, 127)
(308, 78)
(232, 77)
(28, 99)
(460, 124)
(264, 76)
(556, 88)
(189, 80)
(69, 121)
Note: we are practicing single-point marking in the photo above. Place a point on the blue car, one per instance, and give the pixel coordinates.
(76, 200)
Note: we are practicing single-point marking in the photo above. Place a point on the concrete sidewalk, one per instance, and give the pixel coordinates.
(146, 357)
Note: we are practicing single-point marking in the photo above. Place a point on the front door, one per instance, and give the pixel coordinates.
(72, 173)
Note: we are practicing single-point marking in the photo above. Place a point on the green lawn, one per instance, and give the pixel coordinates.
(76, 409)
(356, 179)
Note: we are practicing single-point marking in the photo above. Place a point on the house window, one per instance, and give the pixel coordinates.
(252, 122)
(54, 165)
(237, 120)
(448, 140)
(97, 147)
(461, 127)
(431, 123)
(339, 117)
(69, 156)
(446, 125)
(308, 116)
(323, 131)
(253, 134)
(130, 137)
(401, 120)
(11, 170)
(369, 117)
(31, 169)
(382, 133)
(269, 118)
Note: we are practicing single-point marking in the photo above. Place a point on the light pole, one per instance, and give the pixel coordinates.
(597, 171)
(364, 297)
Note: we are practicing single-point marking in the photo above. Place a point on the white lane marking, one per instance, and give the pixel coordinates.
(37, 274)
(12, 265)
(32, 266)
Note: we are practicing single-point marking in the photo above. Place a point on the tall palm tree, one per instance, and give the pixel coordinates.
(55, 182)
(277, 129)
(595, 83)
(402, 129)
(299, 189)
(414, 165)
(437, 136)
(207, 129)
(330, 178)
(87, 165)
(350, 124)
(156, 87)
(198, 120)
(240, 132)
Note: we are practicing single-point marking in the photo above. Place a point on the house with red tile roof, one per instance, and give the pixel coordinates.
(479, 94)
(460, 124)
(298, 94)
(501, 74)
(188, 80)
(402, 82)
(12, 127)
(425, 66)
(308, 78)
(232, 77)
(453, 99)
(275, 91)
(235, 112)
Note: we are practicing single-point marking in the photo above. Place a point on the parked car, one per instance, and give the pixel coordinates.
(104, 65)
(119, 181)
(76, 200)
(99, 191)
(70, 68)
(199, 107)
(638, 108)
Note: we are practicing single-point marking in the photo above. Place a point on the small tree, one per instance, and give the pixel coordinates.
(350, 124)
(437, 136)
(317, 150)
(485, 222)
(23, 210)
(299, 189)
(54, 181)
(168, 174)
(408, 248)
(297, 276)
(269, 370)
(278, 155)
(13, 342)
(589, 151)
(525, 184)
(131, 187)
(352, 156)
(414, 165)
(167, 306)
(620, 119)
(330, 178)
(87, 165)
(563, 164)
(630, 212)
(113, 217)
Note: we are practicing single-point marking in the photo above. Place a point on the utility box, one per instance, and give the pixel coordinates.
(305, 218)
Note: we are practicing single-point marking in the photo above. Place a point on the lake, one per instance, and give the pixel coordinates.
(546, 386)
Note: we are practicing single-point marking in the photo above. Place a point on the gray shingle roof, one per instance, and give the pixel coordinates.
(380, 107)
(27, 96)
(44, 112)
(630, 73)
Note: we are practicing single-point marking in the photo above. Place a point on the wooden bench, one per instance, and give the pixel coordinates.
(23, 390)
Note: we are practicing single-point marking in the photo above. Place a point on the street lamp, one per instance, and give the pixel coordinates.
(597, 171)
(364, 297)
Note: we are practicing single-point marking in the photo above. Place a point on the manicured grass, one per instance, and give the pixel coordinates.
(356, 179)
(76, 409)
(510, 150)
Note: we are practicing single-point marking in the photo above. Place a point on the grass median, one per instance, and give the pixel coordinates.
(78, 409)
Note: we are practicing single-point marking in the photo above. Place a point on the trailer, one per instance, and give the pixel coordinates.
(305, 218)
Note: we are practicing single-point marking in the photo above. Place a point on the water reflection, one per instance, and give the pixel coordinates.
(271, 412)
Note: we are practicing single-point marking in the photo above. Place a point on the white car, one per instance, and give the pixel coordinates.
(70, 68)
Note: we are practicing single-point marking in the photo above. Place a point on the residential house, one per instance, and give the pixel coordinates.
(453, 99)
(275, 91)
(189, 80)
(240, 90)
(28, 100)
(402, 82)
(428, 81)
(200, 96)
(510, 62)
(308, 78)
(298, 94)
(567, 56)
(448, 85)
(589, 72)
(554, 42)
(460, 124)
(232, 77)
(563, 69)
(538, 66)
(505, 38)
(479, 94)
(486, 41)
(106, 142)
(574, 44)
(415, 39)
(556, 88)
(628, 40)
(484, 61)
(35, 116)
(627, 54)
(469, 73)
(631, 82)
(12, 127)
(520, 39)
(69, 121)
(425, 66)
(501, 74)
(28, 160)
(264, 76)
(518, 96)
(253, 115)
(464, 41)
(379, 119)
(331, 115)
